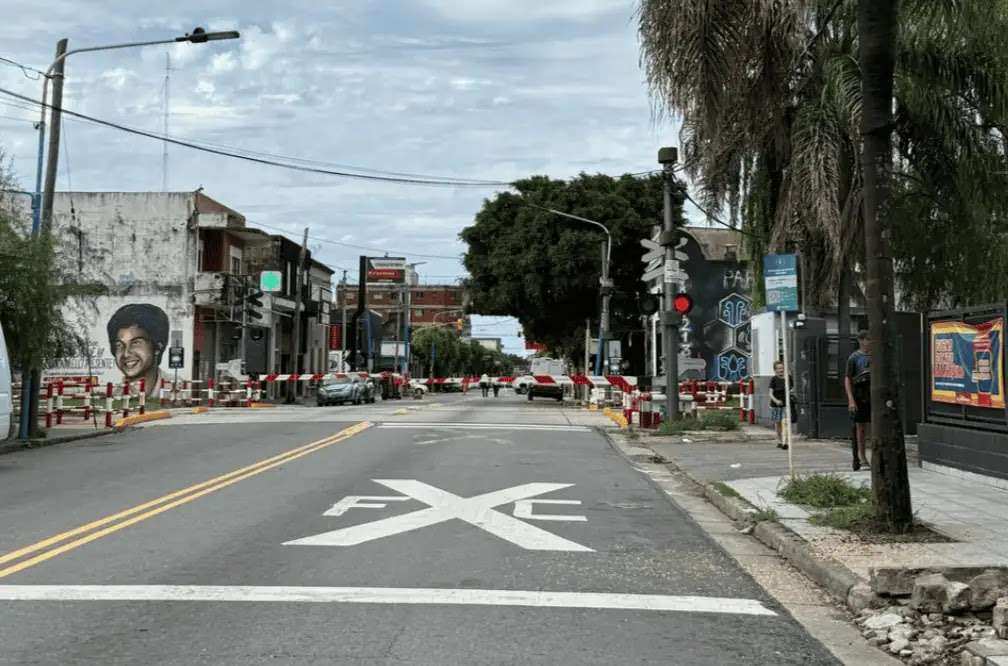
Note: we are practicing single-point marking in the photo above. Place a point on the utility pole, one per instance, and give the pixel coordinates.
(298, 301)
(667, 157)
(167, 102)
(606, 288)
(587, 345)
(343, 329)
(49, 192)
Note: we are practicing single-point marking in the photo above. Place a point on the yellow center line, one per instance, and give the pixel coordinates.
(184, 496)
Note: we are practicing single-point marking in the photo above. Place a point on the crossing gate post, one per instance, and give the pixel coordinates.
(59, 402)
(108, 405)
(126, 398)
(87, 398)
(142, 396)
(49, 405)
(210, 393)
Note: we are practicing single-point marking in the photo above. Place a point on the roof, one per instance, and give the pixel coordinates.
(719, 244)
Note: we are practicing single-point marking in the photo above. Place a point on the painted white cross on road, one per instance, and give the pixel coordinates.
(444, 506)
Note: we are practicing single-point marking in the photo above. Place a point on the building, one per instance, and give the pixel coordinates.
(173, 268)
(493, 344)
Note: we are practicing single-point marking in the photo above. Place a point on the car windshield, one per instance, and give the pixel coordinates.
(337, 381)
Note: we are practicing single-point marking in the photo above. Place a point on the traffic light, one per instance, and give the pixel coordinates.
(682, 303)
(648, 304)
(253, 305)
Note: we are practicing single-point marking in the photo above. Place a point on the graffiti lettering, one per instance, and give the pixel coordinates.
(736, 279)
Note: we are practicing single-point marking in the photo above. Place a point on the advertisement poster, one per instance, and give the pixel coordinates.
(966, 363)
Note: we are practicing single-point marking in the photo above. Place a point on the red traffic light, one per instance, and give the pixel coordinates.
(682, 303)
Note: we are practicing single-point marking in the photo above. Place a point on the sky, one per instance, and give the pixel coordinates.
(476, 89)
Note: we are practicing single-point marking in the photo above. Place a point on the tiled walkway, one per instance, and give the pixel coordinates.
(975, 515)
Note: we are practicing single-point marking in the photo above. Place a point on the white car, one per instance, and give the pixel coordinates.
(417, 390)
(521, 384)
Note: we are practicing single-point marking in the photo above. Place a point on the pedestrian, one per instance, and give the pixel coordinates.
(496, 387)
(778, 391)
(857, 384)
(484, 383)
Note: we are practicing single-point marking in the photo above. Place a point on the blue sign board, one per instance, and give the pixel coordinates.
(780, 277)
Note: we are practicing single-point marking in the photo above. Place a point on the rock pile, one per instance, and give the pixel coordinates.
(935, 615)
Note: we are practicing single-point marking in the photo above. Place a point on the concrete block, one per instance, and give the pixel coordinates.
(988, 587)
(929, 593)
(999, 618)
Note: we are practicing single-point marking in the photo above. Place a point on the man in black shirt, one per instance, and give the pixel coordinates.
(857, 384)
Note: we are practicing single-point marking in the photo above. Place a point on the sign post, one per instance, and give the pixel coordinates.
(780, 279)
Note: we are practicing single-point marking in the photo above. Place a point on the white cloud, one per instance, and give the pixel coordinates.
(117, 78)
(518, 11)
(222, 63)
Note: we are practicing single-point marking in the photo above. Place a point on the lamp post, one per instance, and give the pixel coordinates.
(408, 319)
(605, 282)
(197, 36)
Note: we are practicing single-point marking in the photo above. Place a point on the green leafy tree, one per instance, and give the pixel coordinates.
(544, 269)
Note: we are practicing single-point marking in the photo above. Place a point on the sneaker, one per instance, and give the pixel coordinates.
(865, 465)
(856, 465)
(784, 447)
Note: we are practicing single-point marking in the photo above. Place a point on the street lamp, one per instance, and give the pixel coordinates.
(197, 36)
(408, 319)
(604, 281)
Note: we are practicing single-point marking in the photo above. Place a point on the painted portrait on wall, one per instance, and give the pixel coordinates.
(138, 337)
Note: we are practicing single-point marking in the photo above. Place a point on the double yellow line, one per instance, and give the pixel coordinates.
(58, 544)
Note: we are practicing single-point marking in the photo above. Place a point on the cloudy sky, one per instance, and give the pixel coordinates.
(476, 89)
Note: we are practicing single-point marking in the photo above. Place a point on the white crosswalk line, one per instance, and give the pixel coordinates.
(386, 595)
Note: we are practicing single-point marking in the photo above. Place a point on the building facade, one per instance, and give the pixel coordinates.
(173, 268)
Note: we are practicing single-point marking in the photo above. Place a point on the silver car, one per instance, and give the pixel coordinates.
(339, 390)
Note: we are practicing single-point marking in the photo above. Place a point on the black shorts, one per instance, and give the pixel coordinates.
(862, 413)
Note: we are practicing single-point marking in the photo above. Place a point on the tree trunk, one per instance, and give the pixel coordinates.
(877, 26)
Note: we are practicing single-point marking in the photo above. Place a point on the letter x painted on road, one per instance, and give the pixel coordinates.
(443, 506)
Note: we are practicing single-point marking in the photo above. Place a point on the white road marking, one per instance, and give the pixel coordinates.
(363, 501)
(477, 510)
(385, 595)
(523, 509)
(485, 426)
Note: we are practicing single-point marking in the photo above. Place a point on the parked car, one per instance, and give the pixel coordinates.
(417, 390)
(370, 390)
(521, 384)
(340, 390)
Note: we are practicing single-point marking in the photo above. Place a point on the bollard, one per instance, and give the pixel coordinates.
(126, 399)
(108, 405)
(59, 402)
(142, 397)
(742, 401)
(248, 393)
(210, 393)
(87, 399)
(49, 405)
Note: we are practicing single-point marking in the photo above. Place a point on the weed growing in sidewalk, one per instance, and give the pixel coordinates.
(824, 491)
(725, 489)
(766, 514)
(719, 421)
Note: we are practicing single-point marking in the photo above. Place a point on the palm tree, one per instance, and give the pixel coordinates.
(877, 26)
(770, 98)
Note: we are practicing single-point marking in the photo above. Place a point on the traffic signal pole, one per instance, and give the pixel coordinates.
(670, 319)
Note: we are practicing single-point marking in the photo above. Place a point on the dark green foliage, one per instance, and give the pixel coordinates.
(545, 269)
(823, 491)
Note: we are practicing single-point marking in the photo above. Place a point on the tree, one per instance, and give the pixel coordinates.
(544, 269)
(877, 25)
(770, 96)
(32, 292)
(454, 357)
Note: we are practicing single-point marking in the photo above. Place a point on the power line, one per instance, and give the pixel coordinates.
(363, 247)
(715, 218)
(24, 68)
(260, 160)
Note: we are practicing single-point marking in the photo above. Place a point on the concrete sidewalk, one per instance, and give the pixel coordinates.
(973, 515)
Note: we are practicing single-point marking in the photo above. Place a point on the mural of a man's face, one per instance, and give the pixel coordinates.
(135, 352)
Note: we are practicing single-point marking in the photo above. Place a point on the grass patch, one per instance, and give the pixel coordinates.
(715, 421)
(853, 518)
(766, 514)
(824, 491)
(725, 489)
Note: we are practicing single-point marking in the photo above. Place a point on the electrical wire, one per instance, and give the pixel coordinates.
(434, 182)
(362, 247)
(24, 69)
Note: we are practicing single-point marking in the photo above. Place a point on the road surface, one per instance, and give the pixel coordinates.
(454, 530)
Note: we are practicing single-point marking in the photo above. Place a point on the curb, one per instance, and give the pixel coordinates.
(51, 441)
(843, 584)
(142, 418)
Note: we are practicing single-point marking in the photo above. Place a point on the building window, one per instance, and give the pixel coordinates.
(236, 265)
(418, 313)
(419, 294)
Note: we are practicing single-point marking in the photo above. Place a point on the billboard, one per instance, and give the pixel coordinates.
(966, 363)
(386, 269)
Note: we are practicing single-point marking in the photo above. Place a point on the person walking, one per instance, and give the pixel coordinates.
(778, 403)
(857, 384)
(484, 383)
(496, 386)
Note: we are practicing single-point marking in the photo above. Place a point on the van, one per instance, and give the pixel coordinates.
(6, 394)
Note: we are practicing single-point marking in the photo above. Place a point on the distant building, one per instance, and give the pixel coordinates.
(493, 344)
(429, 305)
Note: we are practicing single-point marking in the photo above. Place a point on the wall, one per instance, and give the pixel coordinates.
(138, 248)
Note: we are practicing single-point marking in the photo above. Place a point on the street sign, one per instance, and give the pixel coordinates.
(442, 506)
(654, 274)
(176, 357)
(653, 254)
(386, 269)
(780, 278)
(270, 281)
(651, 245)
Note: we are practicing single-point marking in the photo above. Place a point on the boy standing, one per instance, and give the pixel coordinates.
(857, 384)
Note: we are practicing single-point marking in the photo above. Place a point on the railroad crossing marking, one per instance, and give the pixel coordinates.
(444, 506)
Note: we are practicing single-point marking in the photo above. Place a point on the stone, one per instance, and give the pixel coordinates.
(899, 645)
(902, 631)
(860, 598)
(938, 643)
(877, 642)
(999, 619)
(987, 647)
(958, 597)
(988, 587)
(883, 621)
(929, 593)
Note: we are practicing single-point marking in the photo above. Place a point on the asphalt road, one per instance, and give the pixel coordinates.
(205, 540)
